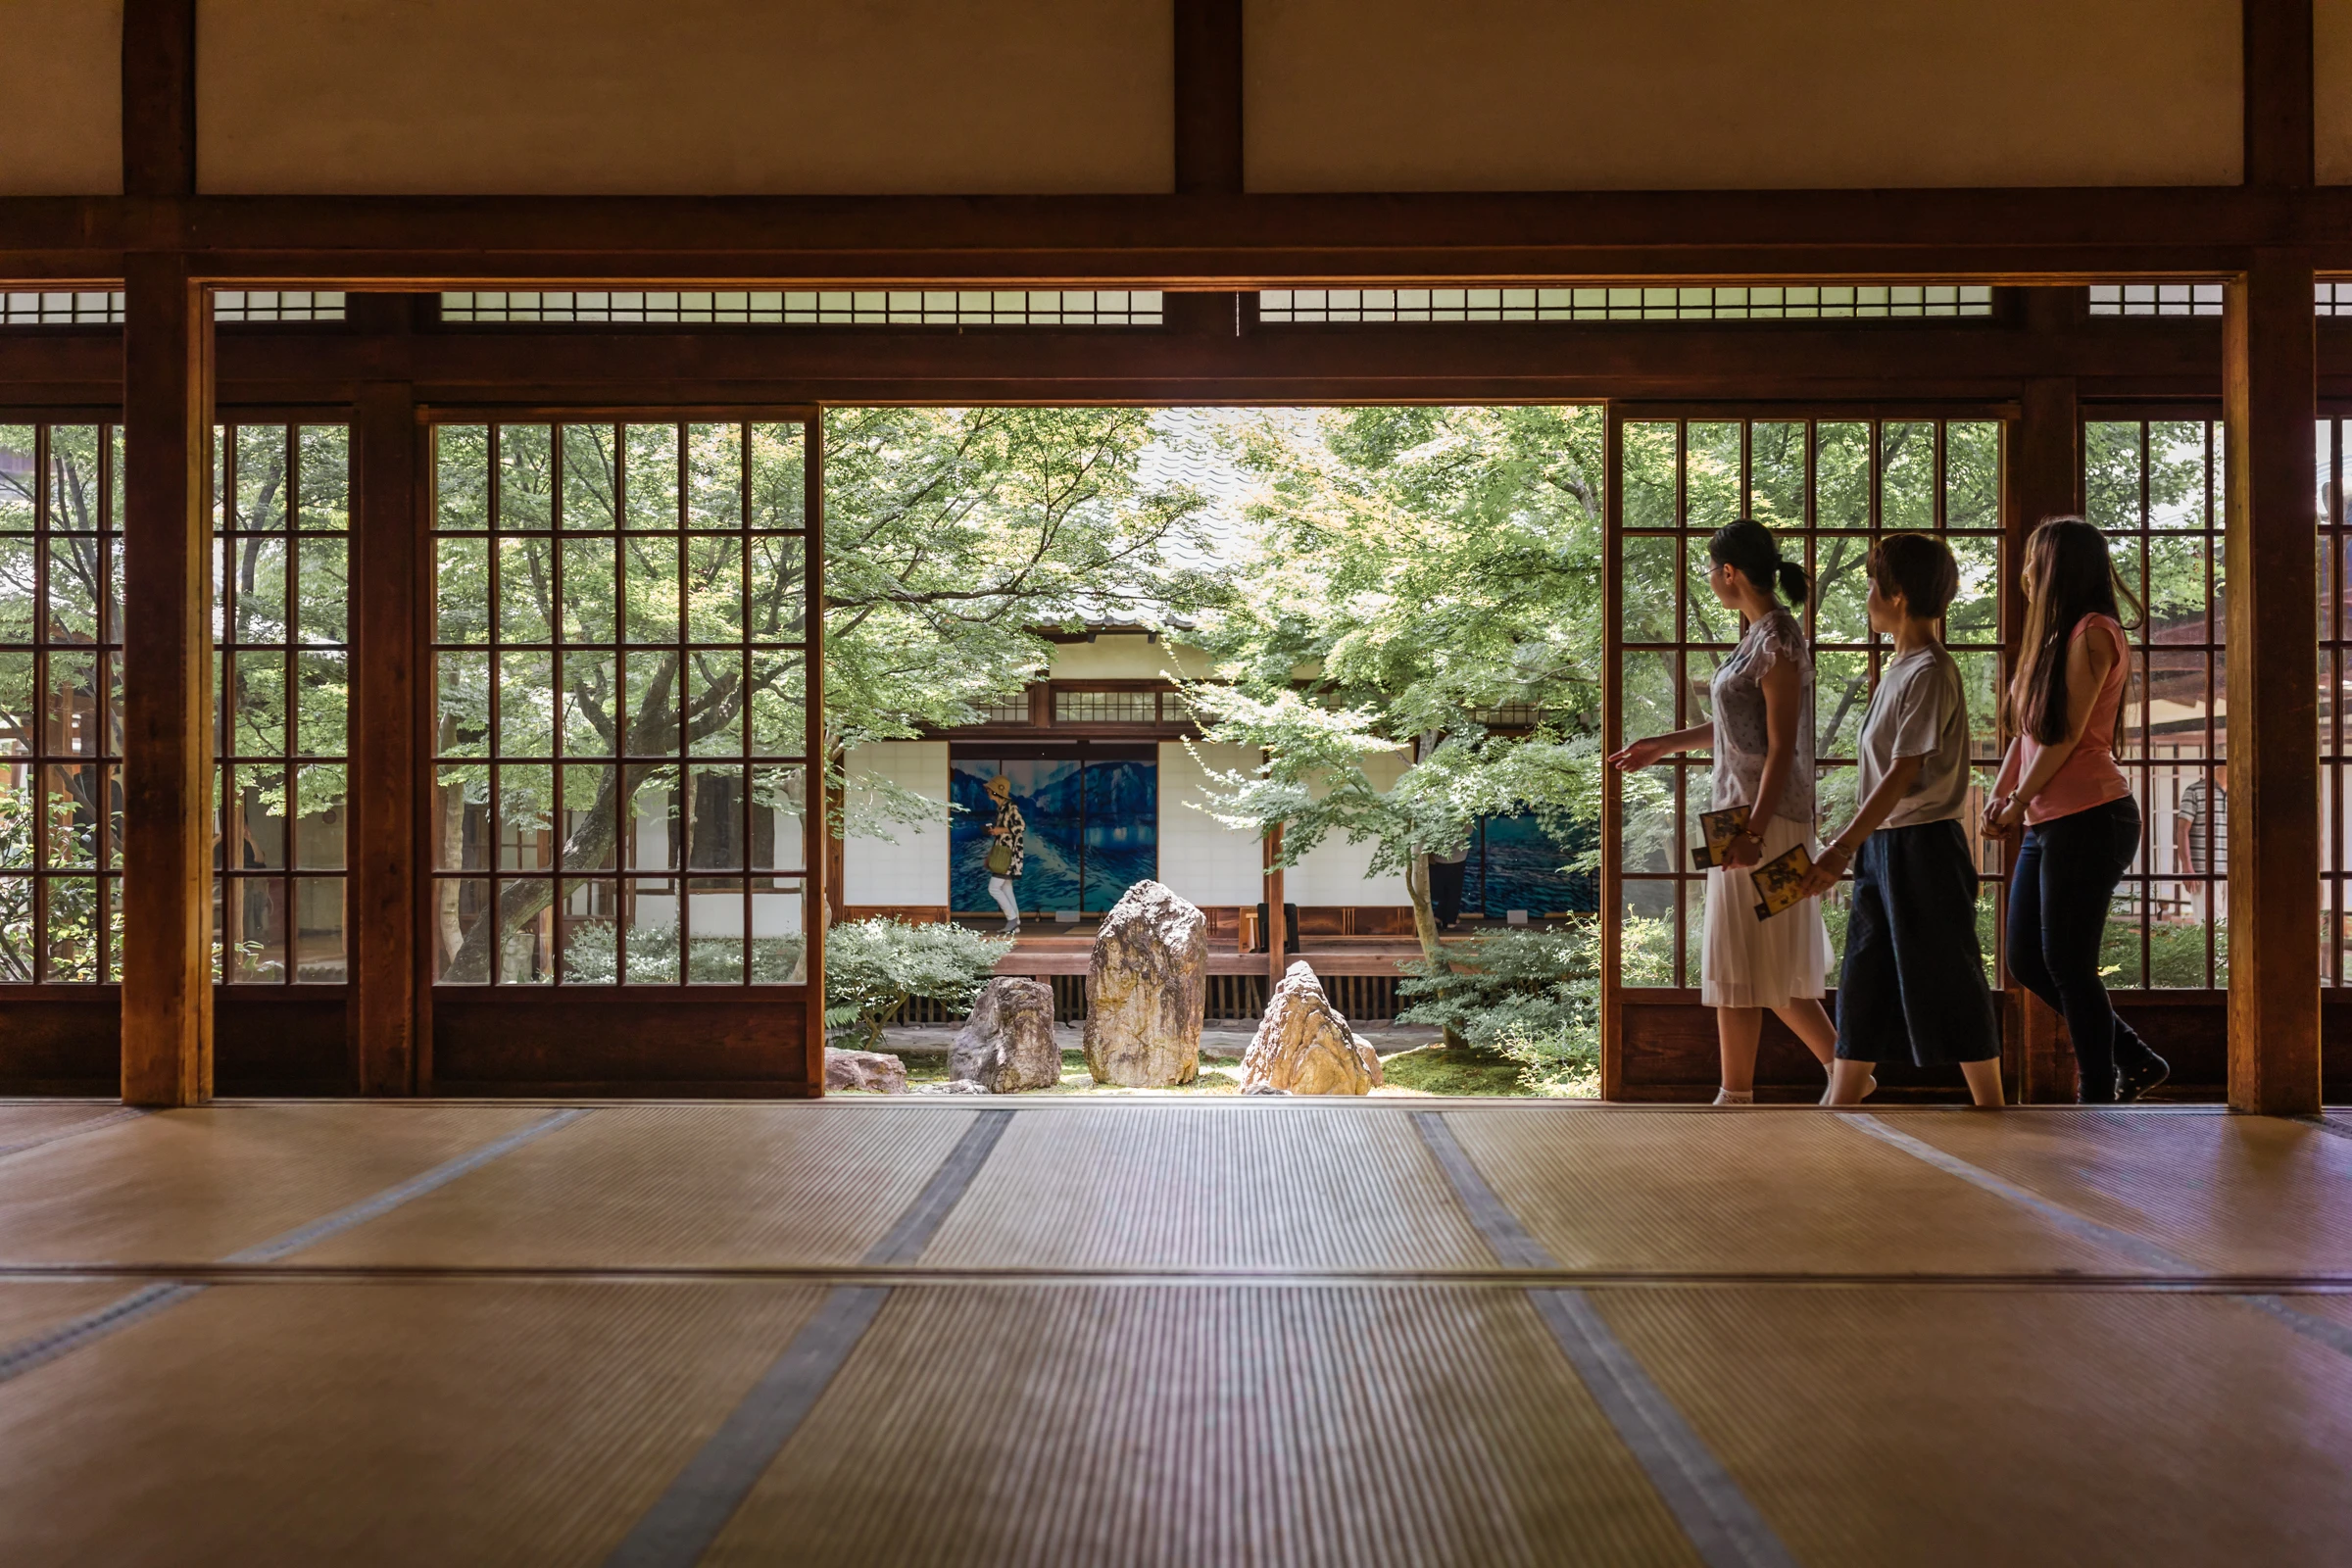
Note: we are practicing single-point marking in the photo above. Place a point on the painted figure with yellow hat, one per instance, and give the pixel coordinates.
(1006, 854)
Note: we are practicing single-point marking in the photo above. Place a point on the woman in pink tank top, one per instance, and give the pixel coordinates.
(2060, 783)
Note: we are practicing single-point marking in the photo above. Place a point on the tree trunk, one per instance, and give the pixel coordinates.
(1425, 926)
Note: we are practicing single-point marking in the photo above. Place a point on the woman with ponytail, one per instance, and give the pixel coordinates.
(1762, 739)
(2060, 783)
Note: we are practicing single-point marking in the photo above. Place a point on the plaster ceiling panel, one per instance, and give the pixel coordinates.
(60, 98)
(684, 97)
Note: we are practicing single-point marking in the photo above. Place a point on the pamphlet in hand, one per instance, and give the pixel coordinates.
(1781, 880)
(1718, 828)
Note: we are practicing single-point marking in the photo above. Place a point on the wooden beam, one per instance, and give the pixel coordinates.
(1206, 240)
(1208, 95)
(2271, 402)
(2281, 124)
(2042, 474)
(159, 98)
(386, 846)
(167, 676)
(818, 846)
(1612, 784)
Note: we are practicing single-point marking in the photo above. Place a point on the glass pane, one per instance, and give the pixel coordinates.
(319, 956)
(714, 600)
(653, 476)
(1841, 587)
(651, 564)
(716, 938)
(1972, 475)
(1645, 944)
(588, 477)
(1649, 475)
(19, 470)
(259, 591)
(321, 812)
(1841, 476)
(19, 587)
(326, 592)
(462, 948)
(73, 955)
(1907, 474)
(1645, 701)
(779, 807)
(323, 456)
(461, 802)
(261, 501)
(779, 706)
(779, 477)
(526, 814)
(714, 703)
(526, 479)
(526, 924)
(76, 580)
(2111, 475)
(526, 705)
(322, 728)
(461, 590)
(586, 923)
(2175, 587)
(1974, 615)
(526, 590)
(649, 931)
(714, 477)
(1648, 590)
(462, 478)
(2119, 949)
(1777, 473)
(779, 919)
(256, 930)
(462, 695)
(17, 925)
(591, 577)
(1711, 478)
(777, 599)
(591, 834)
(1841, 698)
(650, 815)
(588, 704)
(2177, 475)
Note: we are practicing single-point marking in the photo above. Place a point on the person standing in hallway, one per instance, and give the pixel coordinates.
(2202, 837)
(1006, 854)
(2060, 784)
(1914, 976)
(1762, 739)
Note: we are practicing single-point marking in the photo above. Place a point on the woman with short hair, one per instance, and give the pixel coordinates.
(1762, 739)
(1913, 985)
(2060, 784)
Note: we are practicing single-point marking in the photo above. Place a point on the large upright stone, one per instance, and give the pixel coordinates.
(1007, 1044)
(1145, 991)
(1303, 1047)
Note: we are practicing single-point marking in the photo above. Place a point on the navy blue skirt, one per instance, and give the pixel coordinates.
(1913, 985)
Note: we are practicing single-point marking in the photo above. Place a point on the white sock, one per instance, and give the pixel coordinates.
(1734, 1096)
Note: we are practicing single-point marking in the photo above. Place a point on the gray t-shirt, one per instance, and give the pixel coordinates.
(1919, 711)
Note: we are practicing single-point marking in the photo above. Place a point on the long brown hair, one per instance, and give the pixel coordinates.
(2068, 575)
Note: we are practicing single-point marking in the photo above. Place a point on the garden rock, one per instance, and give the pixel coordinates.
(1303, 1047)
(1007, 1044)
(1146, 990)
(871, 1070)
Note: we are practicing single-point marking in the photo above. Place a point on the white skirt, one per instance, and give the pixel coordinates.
(1748, 963)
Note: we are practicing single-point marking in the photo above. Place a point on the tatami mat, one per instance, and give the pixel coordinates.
(191, 1185)
(2236, 1193)
(29, 1308)
(36, 1123)
(385, 1423)
(674, 1186)
(1966, 1427)
(1775, 1192)
(1209, 1187)
(1142, 1425)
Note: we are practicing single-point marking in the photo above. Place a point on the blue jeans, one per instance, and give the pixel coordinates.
(2059, 892)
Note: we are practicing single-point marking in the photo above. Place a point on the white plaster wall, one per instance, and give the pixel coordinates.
(915, 868)
(1201, 858)
(1122, 656)
(1333, 872)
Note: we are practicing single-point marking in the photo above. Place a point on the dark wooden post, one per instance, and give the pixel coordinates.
(387, 568)
(821, 852)
(167, 682)
(2270, 389)
(2043, 479)
(1278, 929)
